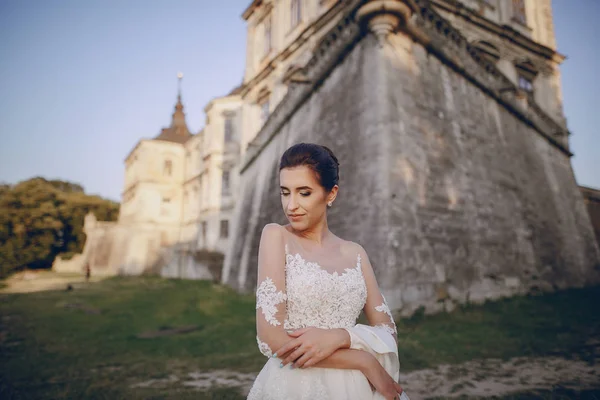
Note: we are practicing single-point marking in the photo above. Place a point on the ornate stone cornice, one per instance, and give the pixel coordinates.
(439, 38)
(447, 43)
(504, 31)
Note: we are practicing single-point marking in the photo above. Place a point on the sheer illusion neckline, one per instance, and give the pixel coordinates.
(296, 255)
(297, 242)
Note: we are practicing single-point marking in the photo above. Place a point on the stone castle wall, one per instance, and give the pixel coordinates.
(454, 195)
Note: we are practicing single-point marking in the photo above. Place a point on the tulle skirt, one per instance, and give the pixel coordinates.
(275, 383)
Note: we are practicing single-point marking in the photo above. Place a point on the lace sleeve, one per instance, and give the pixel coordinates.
(270, 291)
(376, 309)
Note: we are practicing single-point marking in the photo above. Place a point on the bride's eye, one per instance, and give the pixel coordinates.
(284, 194)
(305, 194)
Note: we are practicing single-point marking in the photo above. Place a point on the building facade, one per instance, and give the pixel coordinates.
(182, 189)
(447, 119)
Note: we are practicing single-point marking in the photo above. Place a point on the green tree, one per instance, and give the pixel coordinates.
(40, 219)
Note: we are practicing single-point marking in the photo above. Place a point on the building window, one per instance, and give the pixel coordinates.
(225, 183)
(526, 73)
(224, 228)
(267, 38)
(525, 84)
(518, 9)
(168, 167)
(204, 233)
(296, 12)
(228, 128)
(166, 200)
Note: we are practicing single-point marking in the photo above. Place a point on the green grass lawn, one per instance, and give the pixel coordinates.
(86, 343)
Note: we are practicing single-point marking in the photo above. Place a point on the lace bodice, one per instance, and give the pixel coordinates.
(294, 291)
(316, 297)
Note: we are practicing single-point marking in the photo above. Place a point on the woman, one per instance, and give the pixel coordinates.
(311, 288)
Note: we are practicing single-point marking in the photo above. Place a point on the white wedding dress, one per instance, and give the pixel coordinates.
(296, 289)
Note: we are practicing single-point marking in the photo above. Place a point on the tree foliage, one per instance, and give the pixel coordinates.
(40, 219)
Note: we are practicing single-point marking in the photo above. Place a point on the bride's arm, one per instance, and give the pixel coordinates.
(376, 309)
(347, 359)
(366, 363)
(271, 295)
(342, 358)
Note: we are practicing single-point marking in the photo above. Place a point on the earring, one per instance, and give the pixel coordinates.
(329, 204)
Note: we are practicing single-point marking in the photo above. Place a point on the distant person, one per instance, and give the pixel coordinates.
(88, 272)
(311, 287)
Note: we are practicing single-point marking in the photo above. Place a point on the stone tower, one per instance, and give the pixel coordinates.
(455, 176)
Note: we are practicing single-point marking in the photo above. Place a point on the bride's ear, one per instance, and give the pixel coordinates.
(332, 194)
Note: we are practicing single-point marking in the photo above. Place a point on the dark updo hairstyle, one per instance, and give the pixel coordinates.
(318, 158)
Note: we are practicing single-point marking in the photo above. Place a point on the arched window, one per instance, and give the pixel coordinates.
(488, 51)
(294, 74)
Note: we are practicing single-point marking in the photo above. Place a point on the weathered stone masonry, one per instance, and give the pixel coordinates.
(458, 187)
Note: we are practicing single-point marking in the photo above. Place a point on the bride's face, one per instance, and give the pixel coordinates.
(303, 198)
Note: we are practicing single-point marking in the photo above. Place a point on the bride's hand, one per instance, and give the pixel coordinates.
(381, 380)
(312, 345)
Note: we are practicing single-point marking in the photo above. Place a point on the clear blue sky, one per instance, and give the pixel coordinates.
(82, 81)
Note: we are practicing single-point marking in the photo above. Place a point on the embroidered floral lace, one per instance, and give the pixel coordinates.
(295, 292)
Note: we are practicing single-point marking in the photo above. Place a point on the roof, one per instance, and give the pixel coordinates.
(178, 131)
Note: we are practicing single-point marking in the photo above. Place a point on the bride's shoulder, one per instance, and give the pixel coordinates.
(275, 225)
(352, 248)
(273, 231)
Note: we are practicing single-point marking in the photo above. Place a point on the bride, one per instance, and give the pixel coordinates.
(311, 288)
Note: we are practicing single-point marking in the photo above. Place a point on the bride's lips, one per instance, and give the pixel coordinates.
(295, 216)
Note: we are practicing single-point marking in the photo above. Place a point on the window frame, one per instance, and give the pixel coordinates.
(224, 229)
(168, 167)
(295, 13)
(225, 189)
(519, 12)
(228, 128)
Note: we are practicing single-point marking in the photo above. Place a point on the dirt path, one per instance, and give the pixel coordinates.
(490, 377)
(483, 378)
(36, 281)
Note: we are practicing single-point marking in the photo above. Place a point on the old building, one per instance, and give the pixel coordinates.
(446, 116)
(455, 163)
